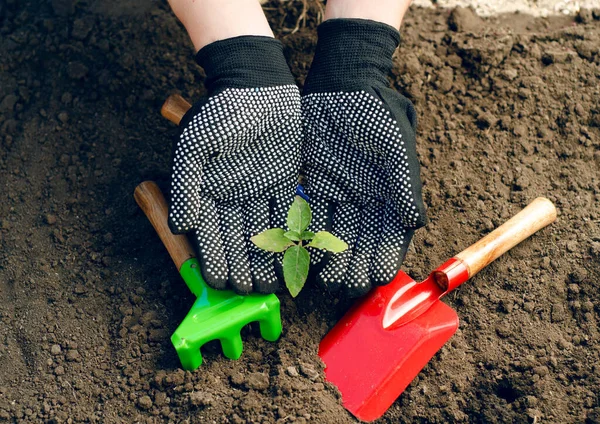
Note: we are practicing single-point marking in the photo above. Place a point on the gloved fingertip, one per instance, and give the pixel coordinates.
(382, 278)
(319, 258)
(266, 286)
(240, 286)
(278, 266)
(385, 264)
(175, 229)
(264, 278)
(240, 277)
(356, 288)
(327, 283)
(215, 280)
(333, 274)
(279, 206)
(357, 280)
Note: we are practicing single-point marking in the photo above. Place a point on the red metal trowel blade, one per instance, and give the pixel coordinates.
(372, 364)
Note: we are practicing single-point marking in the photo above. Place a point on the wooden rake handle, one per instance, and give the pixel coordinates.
(174, 108)
(151, 200)
(534, 217)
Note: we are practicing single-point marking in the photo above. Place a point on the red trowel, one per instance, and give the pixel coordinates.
(385, 340)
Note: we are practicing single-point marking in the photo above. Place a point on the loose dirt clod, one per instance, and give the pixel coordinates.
(464, 19)
(257, 381)
(145, 402)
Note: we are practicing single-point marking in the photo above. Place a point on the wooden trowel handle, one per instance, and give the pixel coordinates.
(149, 197)
(174, 108)
(534, 217)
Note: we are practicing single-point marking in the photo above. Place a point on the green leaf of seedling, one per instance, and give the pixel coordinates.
(299, 215)
(307, 235)
(295, 268)
(327, 241)
(292, 235)
(272, 240)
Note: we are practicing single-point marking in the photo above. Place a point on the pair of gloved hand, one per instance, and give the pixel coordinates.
(242, 148)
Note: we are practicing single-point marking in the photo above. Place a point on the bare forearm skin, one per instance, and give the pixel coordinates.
(389, 12)
(207, 21)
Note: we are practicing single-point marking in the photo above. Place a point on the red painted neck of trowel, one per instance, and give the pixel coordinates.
(450, 275)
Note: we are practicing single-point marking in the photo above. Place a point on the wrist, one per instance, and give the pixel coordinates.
(207, 21)
(244, 62)
(390, 12)
(351, 55)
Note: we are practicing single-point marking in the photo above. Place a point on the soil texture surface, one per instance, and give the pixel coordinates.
(509, 110)
(531, 7)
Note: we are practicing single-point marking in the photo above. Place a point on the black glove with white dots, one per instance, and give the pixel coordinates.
(359, 155)
(237, 160)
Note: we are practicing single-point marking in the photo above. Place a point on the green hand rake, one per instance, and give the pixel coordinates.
(216, 314)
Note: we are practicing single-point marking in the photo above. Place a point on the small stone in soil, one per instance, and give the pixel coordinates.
(50, 219)
(55, 349)
(309, 371)
(292, 371)
(509, 74)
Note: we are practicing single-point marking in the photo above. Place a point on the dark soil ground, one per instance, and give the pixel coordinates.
(509, 110)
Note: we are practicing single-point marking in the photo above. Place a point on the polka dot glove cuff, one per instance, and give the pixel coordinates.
(360, 162)
(236, 161)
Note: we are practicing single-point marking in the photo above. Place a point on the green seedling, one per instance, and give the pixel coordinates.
(296, 259)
